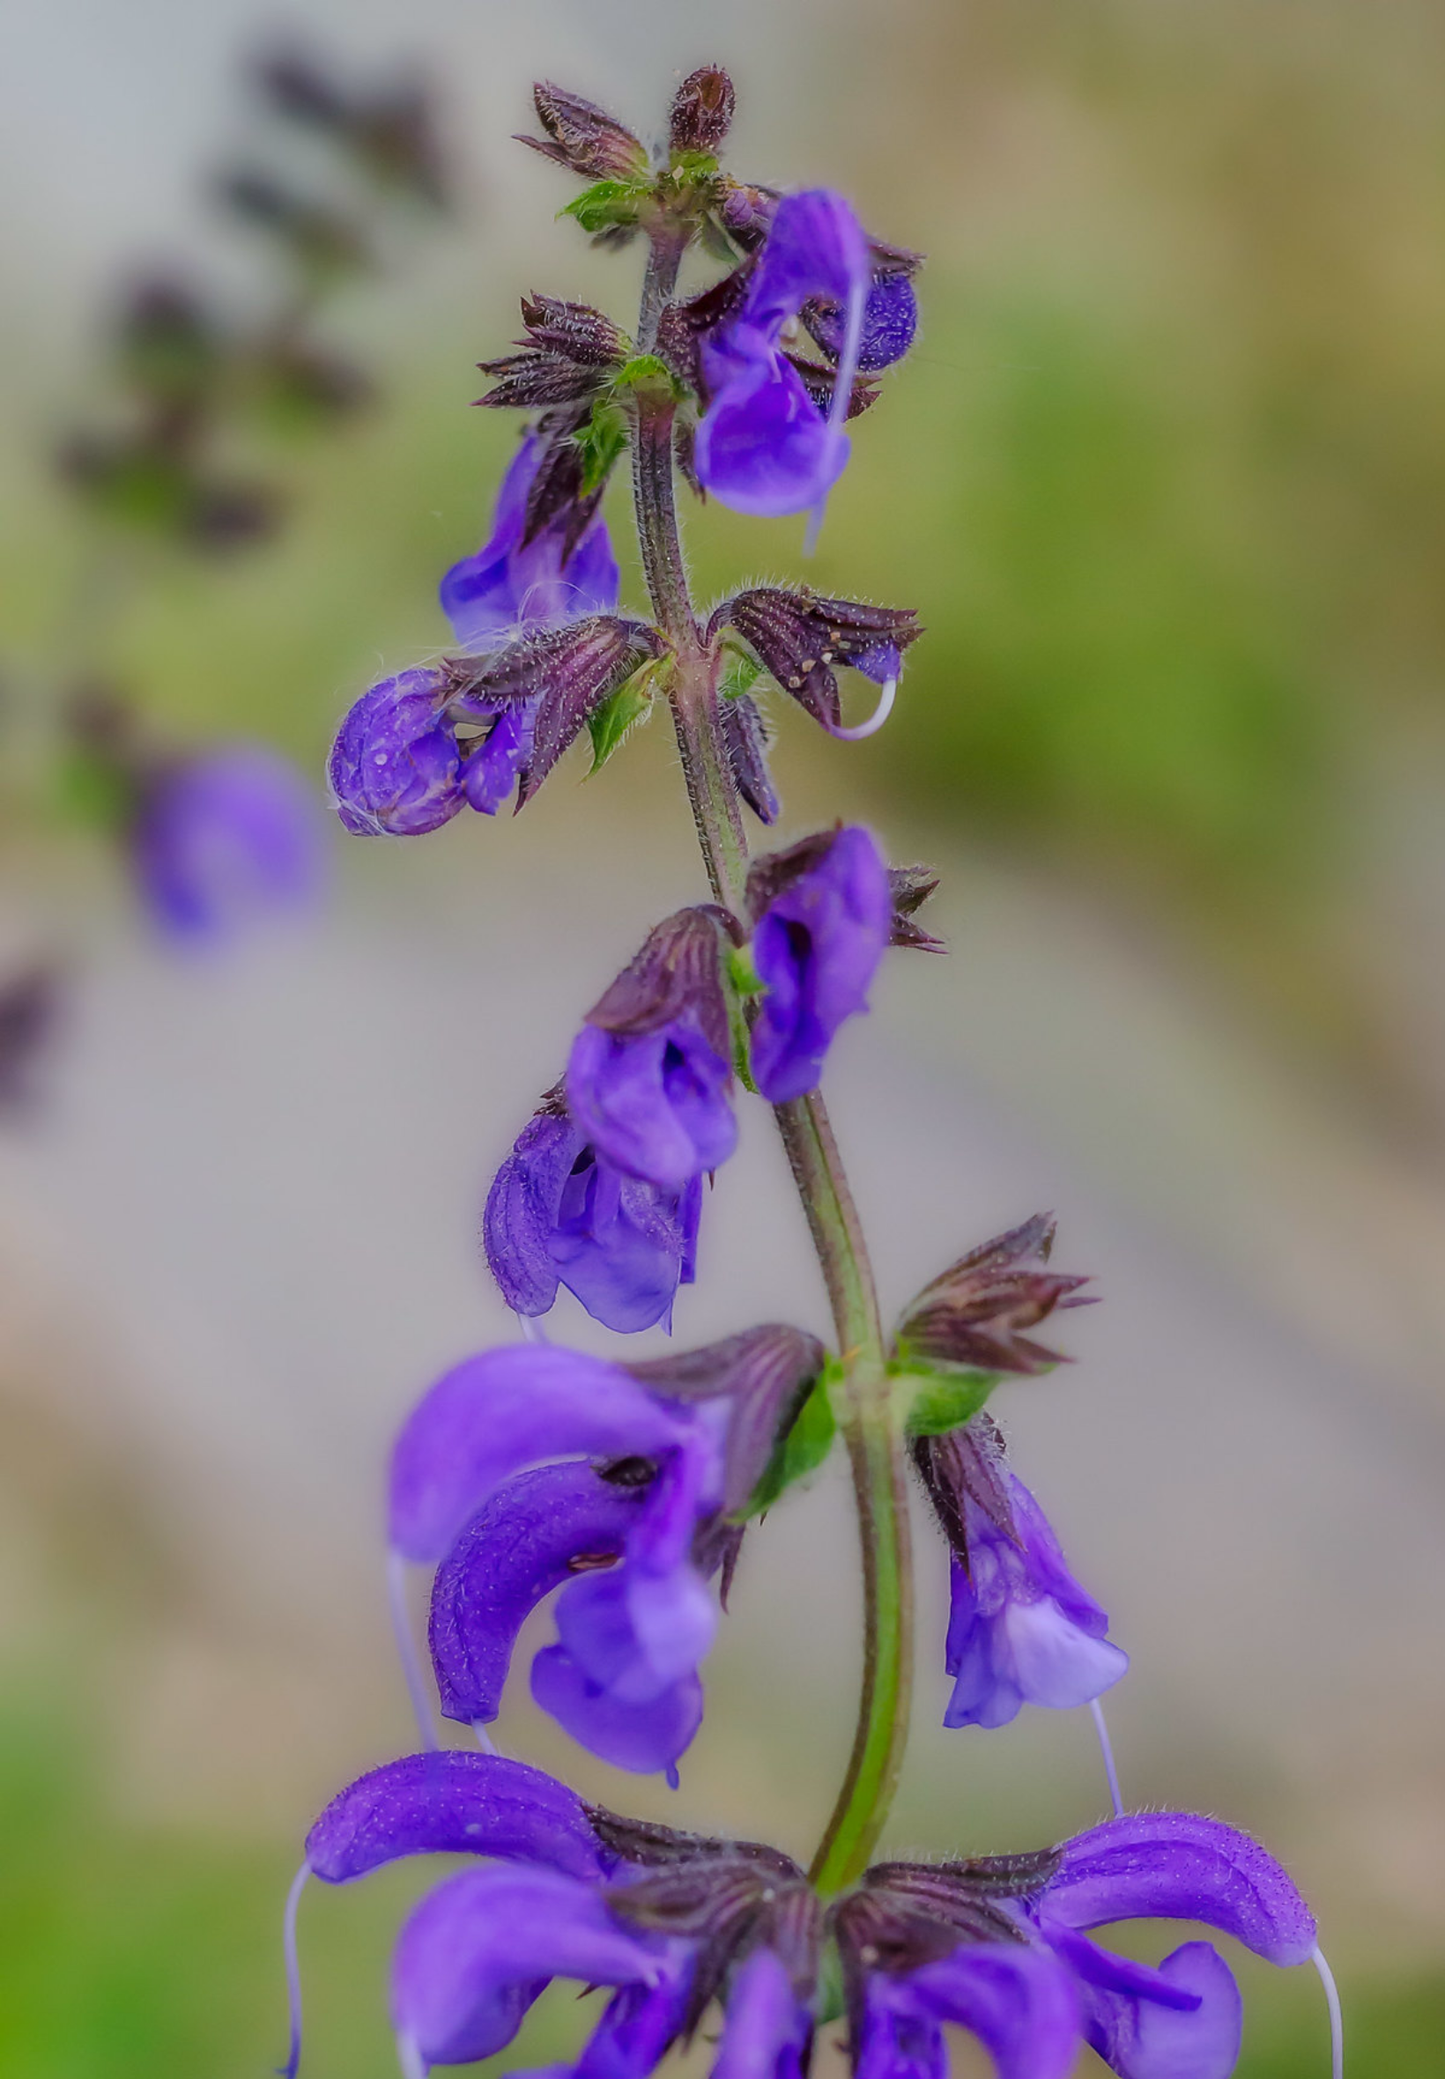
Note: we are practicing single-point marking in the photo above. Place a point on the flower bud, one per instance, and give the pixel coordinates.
(800, 639)
(702, 111)
(975, 1312)
(582, 136)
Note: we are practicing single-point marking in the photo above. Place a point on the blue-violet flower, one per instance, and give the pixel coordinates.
(823, 914)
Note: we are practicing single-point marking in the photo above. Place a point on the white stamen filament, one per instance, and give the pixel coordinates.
(842, 396)
(484, 1739)
(293, 1969)
(1107, 1749)
(1337, 2024)
(532, 1329)
(874, 722)
(413, 2064)
(416, 1687)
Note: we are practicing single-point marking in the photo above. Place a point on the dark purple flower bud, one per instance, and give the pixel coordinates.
(1021, 1629)
(745, 739)
(802, 640)
(224, 837)
(764, 1375)
(890, 321)
(975, 1312)
(822, 915)
(584, 137)
(567, 356)
(557, 1213)
(395, 767)
(702, 111)
(453, 1803)
(763, 446)
(478, 1950)
(520, 579)
(650, 1073)
(565, 672)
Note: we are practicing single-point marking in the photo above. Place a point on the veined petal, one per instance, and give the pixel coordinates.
(453, 1802)
(495, 1414)
(479, 1949)
(1180, 1866)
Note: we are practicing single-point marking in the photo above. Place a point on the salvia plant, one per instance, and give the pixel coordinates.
(186, 453)
(629, 1485)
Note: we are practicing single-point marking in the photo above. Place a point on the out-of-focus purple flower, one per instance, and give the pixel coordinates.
(395, 767)
(623, 1677)
(650, 1073)
(1021, 1629)
(890, 322)
(559, 1213)
(224, 837)
(512, 583)
(763, 445)
(823, 915)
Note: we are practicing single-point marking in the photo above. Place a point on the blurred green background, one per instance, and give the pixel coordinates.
(1164, 477)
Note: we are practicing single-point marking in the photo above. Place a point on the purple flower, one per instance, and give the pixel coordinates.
(559, 1213)
(395, 767)
(1021, 1629)
(513, 583)
(763, 445)
(222, 838)
(476, 1485)
(1181, 2021)
(650, 1073)
(824, 914)
(995, 1945)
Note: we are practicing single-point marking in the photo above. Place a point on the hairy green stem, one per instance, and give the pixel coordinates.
(870, 1429)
